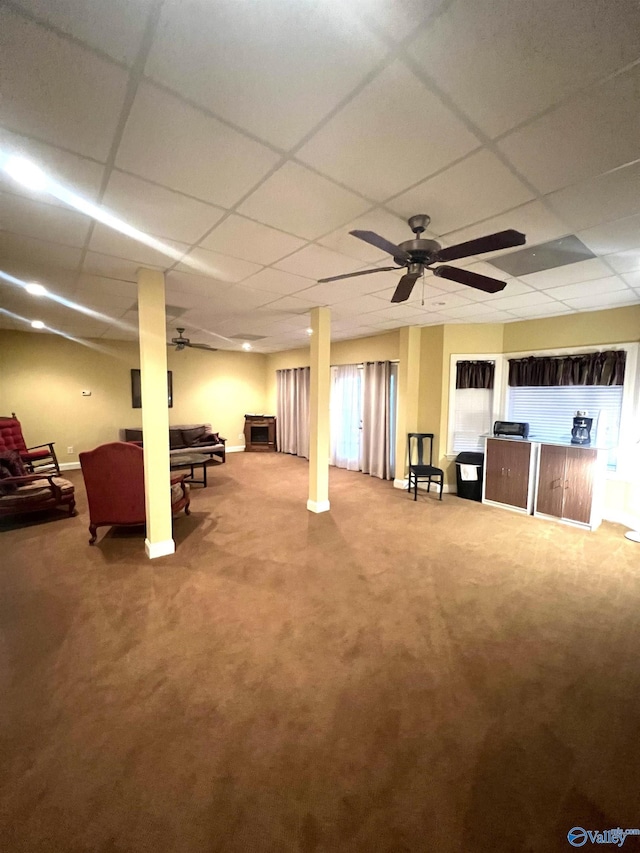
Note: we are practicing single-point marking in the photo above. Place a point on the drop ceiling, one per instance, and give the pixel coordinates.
(250, 136)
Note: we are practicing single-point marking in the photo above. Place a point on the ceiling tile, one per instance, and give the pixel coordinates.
(115, 27)
(111, 286)
(604, 301)
(250, 240)
(546, 309)
(614, 195)
(218, 266)
(472, 312)
(537, 223)
(43, 221)
(157, 210)
(297, 200)
(505, 303)
(57, 91)
(478, 187)
(624, 261)
(215, 163)
(372, 143)
(76, 173)
(583, 137)
(386, 224)
(619, 236)
(587, 288)
(567, 274)
(354, 306)
(190, 282)
(436, 300)
(399, 18)
(107, 241)
(311, 54)
(277, 281)
(109, 266)
(632, 279)
(15, 248)
(316, 262)
(504, 62)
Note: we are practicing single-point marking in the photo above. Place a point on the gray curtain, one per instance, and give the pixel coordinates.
(293, 387)
(376, 420)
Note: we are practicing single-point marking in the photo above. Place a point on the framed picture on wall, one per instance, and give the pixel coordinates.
(136, 388)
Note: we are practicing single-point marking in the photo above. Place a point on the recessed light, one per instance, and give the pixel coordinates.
(309, 331)
(37, 324)
(26, 173)
(246, 345)
(35, 289)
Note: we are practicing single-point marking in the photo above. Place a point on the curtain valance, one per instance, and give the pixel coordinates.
(475, 374)
(595, 368)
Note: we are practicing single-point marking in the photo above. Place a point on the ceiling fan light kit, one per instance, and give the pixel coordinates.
(419, 254)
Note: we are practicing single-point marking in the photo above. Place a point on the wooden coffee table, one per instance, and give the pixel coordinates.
(190, 461)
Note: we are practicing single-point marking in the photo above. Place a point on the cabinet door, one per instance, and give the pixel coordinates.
(551, 479)
(495, 466)
(507, 472)
(578, 492)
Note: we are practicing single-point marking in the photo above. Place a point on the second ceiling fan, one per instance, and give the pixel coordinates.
(418, 254)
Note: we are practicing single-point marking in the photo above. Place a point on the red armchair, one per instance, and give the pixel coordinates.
(39, 459)
(114, 477)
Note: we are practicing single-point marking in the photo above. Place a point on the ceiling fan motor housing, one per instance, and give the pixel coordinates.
(421, 251)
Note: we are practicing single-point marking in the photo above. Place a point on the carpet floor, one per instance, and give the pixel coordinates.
(389, 676)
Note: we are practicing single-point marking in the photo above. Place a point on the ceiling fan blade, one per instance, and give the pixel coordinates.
(380, 243)
(405, 286)
(202, 346)
(490, 243)
(471, 279)
(353, 274)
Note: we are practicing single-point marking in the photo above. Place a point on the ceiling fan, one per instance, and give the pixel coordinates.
(418, 254)
(181, 342)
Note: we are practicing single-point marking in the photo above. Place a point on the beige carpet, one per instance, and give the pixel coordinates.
(389, 676)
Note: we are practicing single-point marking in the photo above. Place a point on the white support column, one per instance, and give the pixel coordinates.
(408, 394)
(319, 411)
(155, 412)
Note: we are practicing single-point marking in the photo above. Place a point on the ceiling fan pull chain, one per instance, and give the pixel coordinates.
(422, 303)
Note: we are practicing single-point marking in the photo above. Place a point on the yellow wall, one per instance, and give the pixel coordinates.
(42, 377)
(617, 325)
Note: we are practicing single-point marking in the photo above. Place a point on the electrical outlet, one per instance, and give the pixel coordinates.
(69, 449)
(240, 435)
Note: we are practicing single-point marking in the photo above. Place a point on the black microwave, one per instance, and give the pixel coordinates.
(511, 429)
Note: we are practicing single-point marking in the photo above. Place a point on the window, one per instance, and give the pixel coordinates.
(472, 418)
(473, 401)
(549, 411)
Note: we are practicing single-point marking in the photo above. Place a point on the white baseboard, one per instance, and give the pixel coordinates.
(238, 448)
(159, 549)
(69, 466)
(627, 519)
(318, 506)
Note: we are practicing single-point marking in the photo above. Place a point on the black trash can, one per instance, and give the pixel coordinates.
(470, 489)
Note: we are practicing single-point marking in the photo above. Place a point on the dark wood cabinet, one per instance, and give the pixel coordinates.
(566, 482)
(560, 481)
(507, 467)
(259, 433)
